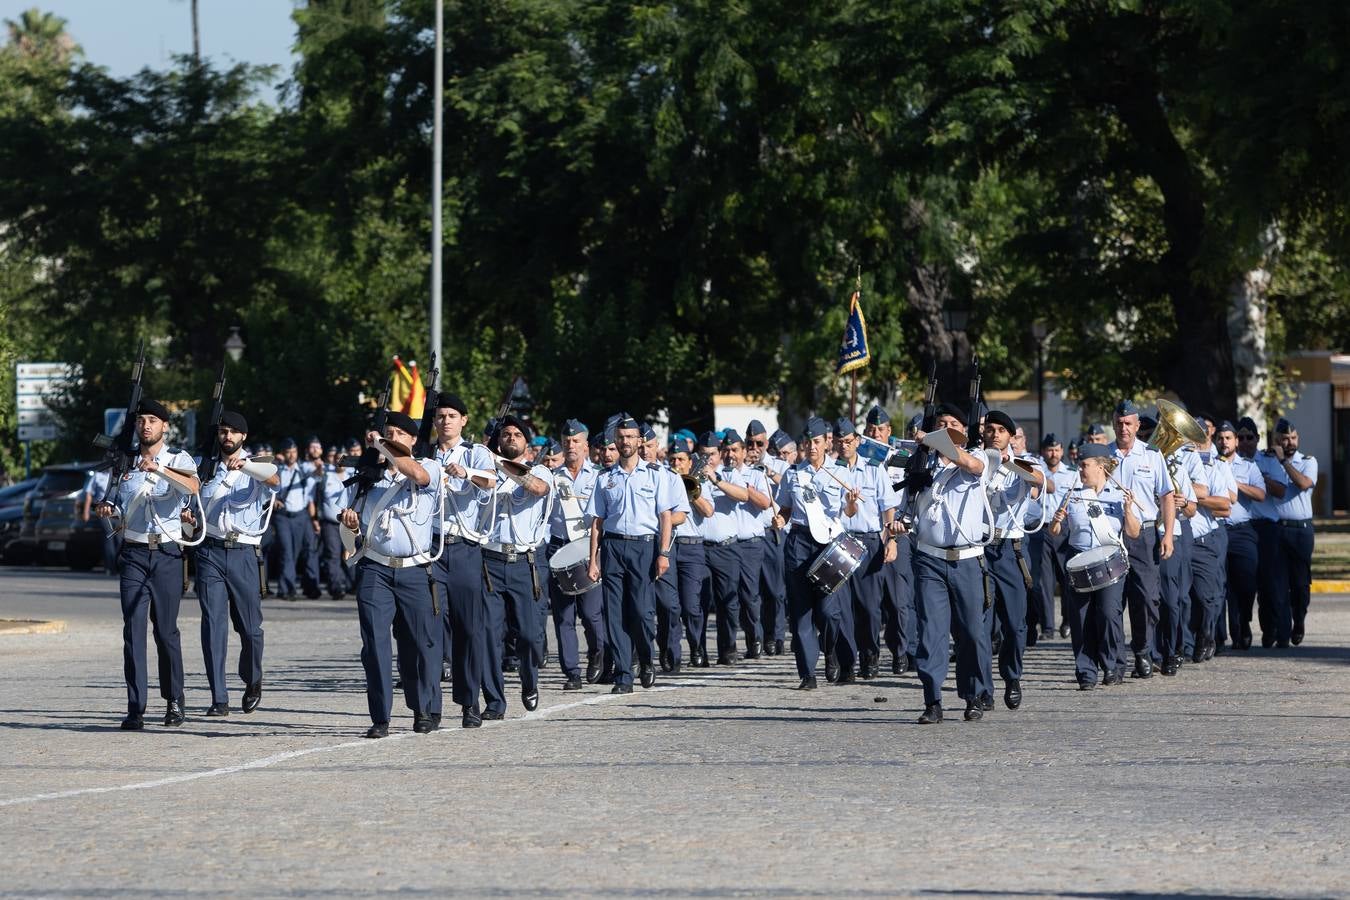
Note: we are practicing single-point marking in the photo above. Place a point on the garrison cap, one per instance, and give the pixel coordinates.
(845, 427)
(574, 427)
(1091, 451)
(1126, 408)
(877, 416)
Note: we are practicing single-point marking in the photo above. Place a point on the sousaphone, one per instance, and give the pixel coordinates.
(1176, 428)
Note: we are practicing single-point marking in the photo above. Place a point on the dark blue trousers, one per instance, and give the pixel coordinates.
(1142, 591)
(772, 587)
(1053, 552)
(1219, 634)
(151, 583)
(1009, 610)
(898, 599)
(807, 608)
(404, 601)
(627, 568)
(565, 608)
(1096, 630)
(1297, 543)
(290, 544)
(510, 596)
(730, 581)
(1243, 576)
(1207, 561)
(949, 600)
(693, 572)
(668, 629)
(459, 574)
(1174, 604)
(864, 589)
(229, 592)
(1273, 582)
(330, 554)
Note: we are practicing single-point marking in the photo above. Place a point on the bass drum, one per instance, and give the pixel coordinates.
(569, 567)
(832, 567)
(1097, 568)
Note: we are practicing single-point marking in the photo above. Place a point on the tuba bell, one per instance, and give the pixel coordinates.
(1176, 427)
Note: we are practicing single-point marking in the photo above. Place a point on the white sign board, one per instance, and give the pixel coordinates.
(34, 382)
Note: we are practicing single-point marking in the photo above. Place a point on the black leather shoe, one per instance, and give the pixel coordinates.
(675, 667)
(1171, 665)
(493, 715)
(986, 702)
(778, 648)
(1198, 654)
(1296, 636)
(471, 718)
(831, 668)
(605, 677)
(726, 659)
(572, 684)
(752, 650)
(422, 724)
(133, 722)
(911, 664)
(897, 664)
(530, 700)
(647, 672)
(974, 712)
(1282, 645)
(510, 665)
(1087, 685)
(808, 683)
(1143, 666)
(666, 659)
(252, 697)
(703, 662)
(621, 689)
(1112, 678)
(218, 710)
(932, 714)
(173, 715)
(446, 675)
(846, 676)
(1063, 629)
(1012, 694)
(1212, 649)
(1267, 641)
(592, 668)
(378, 730)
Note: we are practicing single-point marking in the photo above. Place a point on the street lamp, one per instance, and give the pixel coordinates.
(234, 344)
(1038, 334)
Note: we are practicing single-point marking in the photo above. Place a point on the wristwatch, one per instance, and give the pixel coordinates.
(665, 553)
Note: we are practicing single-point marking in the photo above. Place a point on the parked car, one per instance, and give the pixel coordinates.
(53, 532)
(14, 494)
(11, 519)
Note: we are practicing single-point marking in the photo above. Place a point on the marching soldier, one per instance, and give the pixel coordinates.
(773, 593)
(1175, 571)
(148, 500)
(631, 534)
(1296, 525)
(467, 478)
(1237, 447)
(897, 584)
(1209, 546)
(575, 480)
(332, 498)
(812, 497)
(519, 525)
(1012, 487)
(693, 566)
(291, 518)
(394, 586)
(668, 616)
(236, 501)
(1273, 583)
(1052, 548)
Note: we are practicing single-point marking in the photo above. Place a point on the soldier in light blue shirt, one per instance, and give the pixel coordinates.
(1296, 524)
(1209, 547)
(1051, 549)
(631, 534)
(332, 496)
(292, 520)
(1273, 582)
(395, 517)
(693, 567)
(668, 618)
(1242, 575)
(772, 589)
(897, 590)
(575, 481)
(148, 500)
(740, 494)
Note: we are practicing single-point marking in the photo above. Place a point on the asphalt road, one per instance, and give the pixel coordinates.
(1228, 780)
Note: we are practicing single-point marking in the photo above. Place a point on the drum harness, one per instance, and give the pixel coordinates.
(385, 514)
(1017, 542)
(939, 500)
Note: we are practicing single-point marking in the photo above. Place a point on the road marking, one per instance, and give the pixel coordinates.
(268, 761)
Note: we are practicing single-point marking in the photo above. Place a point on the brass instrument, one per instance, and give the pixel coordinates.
(692, 487)
(1176, 427)
(693, 482)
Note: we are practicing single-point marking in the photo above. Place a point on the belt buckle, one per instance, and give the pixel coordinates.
(397, 562)
(510, 555)
(953, 555)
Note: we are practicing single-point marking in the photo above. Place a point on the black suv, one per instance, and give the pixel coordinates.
(53, 531)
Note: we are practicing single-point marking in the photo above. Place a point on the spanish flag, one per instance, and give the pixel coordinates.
(853, 352)
(408, 396)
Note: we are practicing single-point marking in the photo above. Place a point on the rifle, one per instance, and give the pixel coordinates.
(973, 429)
(210, 444)
(370, 464)
(119, 451)
(426, 432)
(917, 476)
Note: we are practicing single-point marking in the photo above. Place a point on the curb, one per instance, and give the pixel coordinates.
(1324, 586)
(31, 626)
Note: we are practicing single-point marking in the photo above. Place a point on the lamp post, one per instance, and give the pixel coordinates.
(1038, 334)
(437, 124)
(234, 344)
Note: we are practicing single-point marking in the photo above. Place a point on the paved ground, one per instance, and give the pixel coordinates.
(1229, 780)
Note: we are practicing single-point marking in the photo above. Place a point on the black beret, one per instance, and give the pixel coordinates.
(231, 419)
(510, 419)
(153, 408)
(446, 400)
(954, 411)
(401, 421)
(999, 417)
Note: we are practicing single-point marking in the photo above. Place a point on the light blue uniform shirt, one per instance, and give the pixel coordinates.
(951, 511)
(296, 488)
(97, 484)
(333, 495)
(874, 484)
(1085, 506)
(580, 488)
(723, 524)
(1057, 486)
(1297, 503)
(148, 502)
(236, 505)
(1190, 471)
(1144, 472)
(1244, 471)
(1219, 482)
(818, 483)
(465, 506)
(403, 528)
(630, 503)
(1010, 499)
(1270, 468)
(520, 518)
(749, 518)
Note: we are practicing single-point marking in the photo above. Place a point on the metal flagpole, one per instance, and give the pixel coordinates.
(436, 242)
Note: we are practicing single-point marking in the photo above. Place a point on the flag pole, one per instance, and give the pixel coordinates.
(853, 376)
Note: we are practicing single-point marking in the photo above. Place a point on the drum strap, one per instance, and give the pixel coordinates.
(1021, 562)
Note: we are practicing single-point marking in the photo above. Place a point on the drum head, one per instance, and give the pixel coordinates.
(1089, 558)
(570, 554)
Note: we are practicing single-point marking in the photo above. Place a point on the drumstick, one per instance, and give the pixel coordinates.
(1122, 490)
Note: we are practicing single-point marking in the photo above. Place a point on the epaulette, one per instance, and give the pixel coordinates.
(654, 467)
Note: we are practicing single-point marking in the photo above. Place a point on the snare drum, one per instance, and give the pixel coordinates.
(570, 567)
(1097, 568)
(832, 567)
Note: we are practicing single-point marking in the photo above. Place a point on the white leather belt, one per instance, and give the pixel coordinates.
(508, 549)
(1011, 534)
(153, 540)
(396, 562)
(233, 536)
(951, 554)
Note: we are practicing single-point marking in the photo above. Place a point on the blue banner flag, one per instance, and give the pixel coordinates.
(853, 350)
